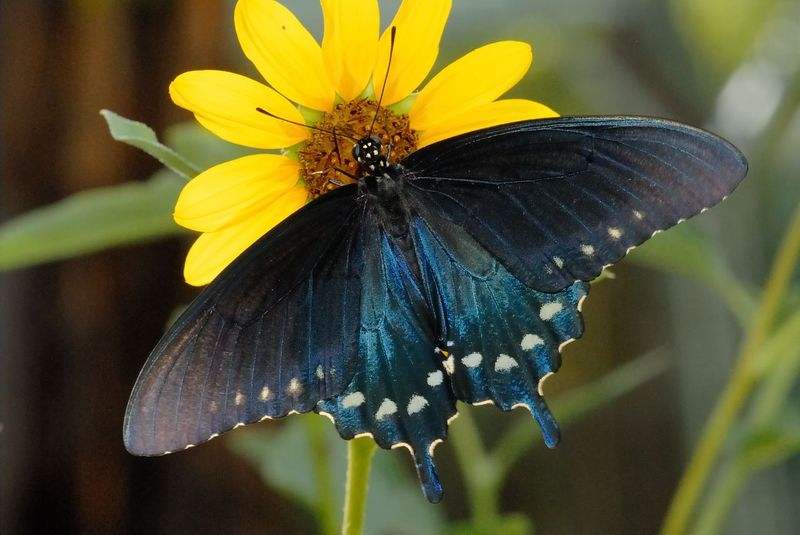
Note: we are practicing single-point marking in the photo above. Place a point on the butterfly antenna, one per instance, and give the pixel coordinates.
(309, 126)
(336, 145)
(385, 77)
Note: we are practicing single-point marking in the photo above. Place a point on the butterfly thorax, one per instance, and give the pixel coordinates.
(382, 184)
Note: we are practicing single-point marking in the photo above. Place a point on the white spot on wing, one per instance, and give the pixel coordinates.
(294, 387)
(529, 341)
(558, 261)
(239, 399)
(354, 399)
(450, 365)
(416, 404)
(473, 360)
(388, 407)
(615, 233)
(587, 249)
(638, 215)
(549, 310)
(435, 378)
(320, 372)
(504, 363)
(450, 343)
(264, 396)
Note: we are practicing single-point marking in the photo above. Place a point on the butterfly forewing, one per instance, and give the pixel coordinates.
(276, 332)
(557, 200)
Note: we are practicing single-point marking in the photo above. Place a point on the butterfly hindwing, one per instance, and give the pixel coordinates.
(498, 338)
(276, 332)
(399, 393)
(557, 200)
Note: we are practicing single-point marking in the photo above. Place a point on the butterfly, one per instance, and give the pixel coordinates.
(455, 274)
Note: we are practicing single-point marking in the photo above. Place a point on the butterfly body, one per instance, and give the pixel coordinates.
(381, 186)
(455, 274)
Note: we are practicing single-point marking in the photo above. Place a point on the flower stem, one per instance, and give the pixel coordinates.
(739, 386)
(479, 470)
(321, 463)
(359, 462)
(722, 499)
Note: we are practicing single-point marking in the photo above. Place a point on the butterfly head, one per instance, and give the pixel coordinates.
(368, 154)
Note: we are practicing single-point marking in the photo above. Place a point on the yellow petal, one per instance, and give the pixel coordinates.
(484, 116)
(419, 26)
(226, 103)
(231, 192)
(283, 51)
(213, 251)
(477, 78)
(350, 44)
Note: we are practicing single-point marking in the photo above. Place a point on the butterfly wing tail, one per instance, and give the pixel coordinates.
(428, 478)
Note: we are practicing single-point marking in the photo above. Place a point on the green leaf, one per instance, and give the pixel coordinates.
(282, 457)
(142, 137)
(92, 220)
(201, 147)
(512, 524)
(687, 251)
(778, 367)
(770, 445)
(723, 31)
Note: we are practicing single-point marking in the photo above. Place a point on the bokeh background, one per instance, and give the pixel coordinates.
(74, 334)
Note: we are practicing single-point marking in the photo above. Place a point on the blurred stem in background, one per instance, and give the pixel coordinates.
(749, 371)
(744, 378)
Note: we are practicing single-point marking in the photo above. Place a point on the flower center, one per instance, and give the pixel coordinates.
(325, 154)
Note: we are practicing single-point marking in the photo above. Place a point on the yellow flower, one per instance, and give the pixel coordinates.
(334, 87)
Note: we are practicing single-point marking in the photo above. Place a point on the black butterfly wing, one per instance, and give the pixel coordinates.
(498, 338)
(399, 394)
(276, 332)
(556, 200)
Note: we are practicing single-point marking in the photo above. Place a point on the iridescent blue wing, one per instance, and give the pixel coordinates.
(556, 200)
(497, 337)
(399, 394)
(276, 332)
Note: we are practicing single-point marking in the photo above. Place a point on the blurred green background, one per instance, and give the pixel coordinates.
(661, 339)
